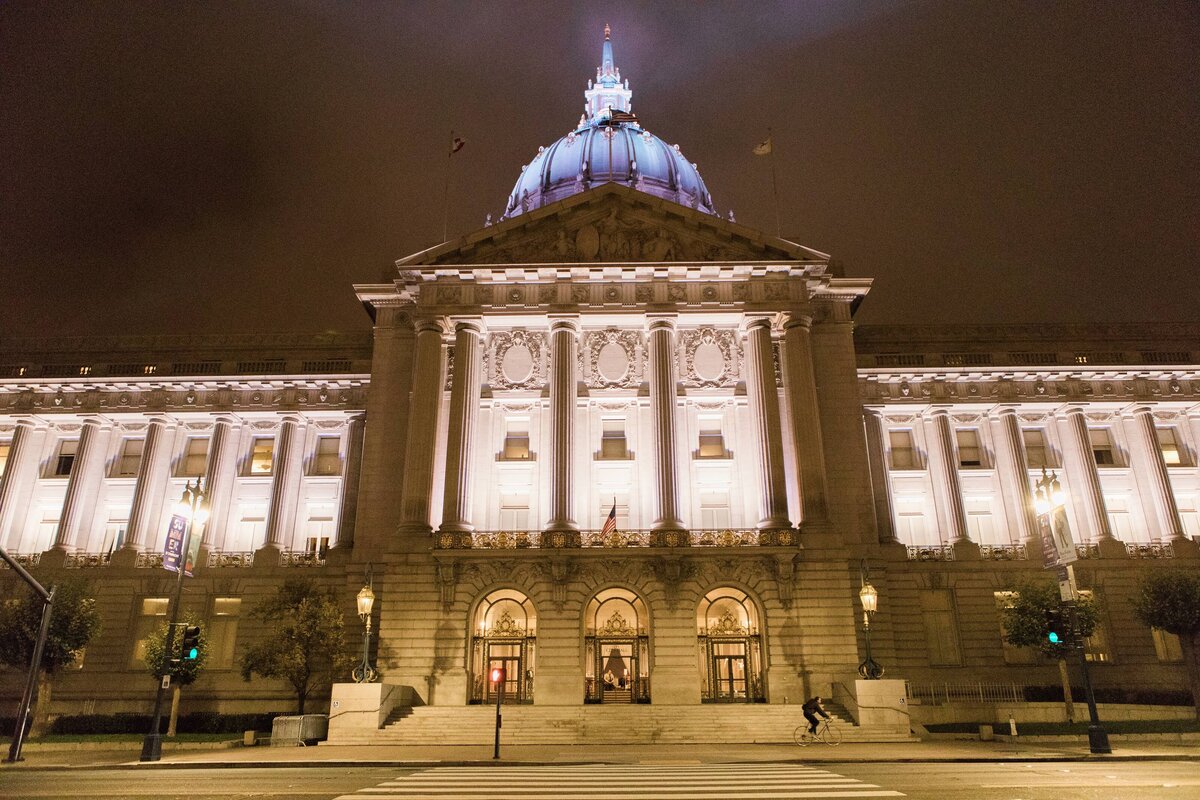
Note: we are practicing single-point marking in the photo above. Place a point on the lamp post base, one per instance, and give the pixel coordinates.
(151, 747)
(1098, 739)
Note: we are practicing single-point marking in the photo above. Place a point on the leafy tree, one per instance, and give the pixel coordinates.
(305, 643)
(1169, 599)
(183, 671)
(74, 621)
(1025, 626)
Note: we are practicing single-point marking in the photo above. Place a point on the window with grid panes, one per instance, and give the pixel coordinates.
(514, 512)
(327, 459)
(262, 452)
(1102, 447)
(969, 452)
(151, 612)
(1036, 452)
(901, 451)
(65, 461)
(941, 627)
(195, 457)
(612, 438)
(130, 458)
(714, 509)
(1169, 445)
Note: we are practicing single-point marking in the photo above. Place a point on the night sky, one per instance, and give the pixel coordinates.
(224, 167)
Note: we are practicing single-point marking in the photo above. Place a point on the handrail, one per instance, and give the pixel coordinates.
(846, 699)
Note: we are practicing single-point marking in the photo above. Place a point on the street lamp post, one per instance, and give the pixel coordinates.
(1049, 501)
(870, 669)
(193, 507)
(364, 672)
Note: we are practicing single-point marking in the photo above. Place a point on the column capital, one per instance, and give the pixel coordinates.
(658, 320)
(429, 324)
(567, 322)
(473, 324)
(798, 319)
(751, 321)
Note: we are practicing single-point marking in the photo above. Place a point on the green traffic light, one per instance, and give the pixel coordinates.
(193, 653)
(1053, 639)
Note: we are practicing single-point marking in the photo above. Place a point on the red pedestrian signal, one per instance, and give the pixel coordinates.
(497, 675)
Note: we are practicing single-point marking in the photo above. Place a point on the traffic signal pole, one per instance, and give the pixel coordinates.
(1097, 735)
(499, 673)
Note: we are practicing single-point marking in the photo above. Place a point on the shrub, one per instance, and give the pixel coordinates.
(196, 722)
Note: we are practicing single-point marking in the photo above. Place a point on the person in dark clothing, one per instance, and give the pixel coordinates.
(811, 709)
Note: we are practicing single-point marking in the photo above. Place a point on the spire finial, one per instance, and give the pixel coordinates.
(607, 31)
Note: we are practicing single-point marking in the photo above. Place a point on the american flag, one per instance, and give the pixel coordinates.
(610, 524)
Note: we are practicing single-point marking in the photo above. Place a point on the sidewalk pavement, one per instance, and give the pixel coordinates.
(410, 756)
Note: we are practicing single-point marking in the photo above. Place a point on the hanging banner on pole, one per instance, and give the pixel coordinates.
(1058, 546)
(173, 548)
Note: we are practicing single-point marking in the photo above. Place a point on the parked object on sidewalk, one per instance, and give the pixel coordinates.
(300, 730)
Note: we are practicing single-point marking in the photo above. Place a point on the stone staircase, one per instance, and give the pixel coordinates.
(605, 725)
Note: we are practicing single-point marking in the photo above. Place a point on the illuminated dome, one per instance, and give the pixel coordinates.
(608, 146)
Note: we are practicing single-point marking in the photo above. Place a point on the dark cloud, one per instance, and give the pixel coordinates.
(214, 166)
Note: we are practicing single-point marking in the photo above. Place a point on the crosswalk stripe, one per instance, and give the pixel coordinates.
(623, 782)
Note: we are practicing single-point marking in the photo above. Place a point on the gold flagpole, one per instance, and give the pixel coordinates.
(446, 188)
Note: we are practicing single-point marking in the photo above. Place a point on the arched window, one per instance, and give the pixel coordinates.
(617, 644)
(730, 647)
(504, 636)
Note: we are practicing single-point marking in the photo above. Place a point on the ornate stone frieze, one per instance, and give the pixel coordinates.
(517, 359)
(449, 368)
(613, 358)
(712, 357)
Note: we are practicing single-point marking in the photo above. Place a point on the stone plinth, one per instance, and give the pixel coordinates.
(882, 704)
(355, 708)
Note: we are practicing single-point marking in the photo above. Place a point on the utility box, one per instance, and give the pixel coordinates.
(299, 730)
(986, 733)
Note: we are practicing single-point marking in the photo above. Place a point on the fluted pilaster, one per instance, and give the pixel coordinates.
(944, 465)
(1158, 478)
(285, 483)
(663, 425)
(1086, 475)
(801, 392)
(764, 411)
(150, 484)
(564, 346)
(1010, 454)
(347, 513)
(881, 484)
(464, 411)
(218, 479)
(423, 408)
(18, 473)
(83, 485)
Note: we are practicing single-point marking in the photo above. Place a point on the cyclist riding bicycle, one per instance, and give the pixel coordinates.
(811, 709)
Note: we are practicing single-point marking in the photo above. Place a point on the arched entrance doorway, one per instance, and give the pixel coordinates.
(617, 649)
(730, 648)
(504, 635)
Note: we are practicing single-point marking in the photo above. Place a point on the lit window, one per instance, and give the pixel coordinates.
(981, 524)
(910, 522)
(903, 454)
(514, 512)
(712, 438)
(130, 459)
(612, 439)
(327, 460)
(969, 452)
(1036, 453)
(714, 509)
(66, 457)
(516, 439)
(1119, 519)
(262, 451)
(5, 448)
(1166, 646)
(1102, 447)
(153, 610)
(195, 457)
(1169, 446)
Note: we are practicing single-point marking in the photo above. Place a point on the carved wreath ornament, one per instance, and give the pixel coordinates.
(614, 358)
(711, 358)
(517, 360)
(616, 626)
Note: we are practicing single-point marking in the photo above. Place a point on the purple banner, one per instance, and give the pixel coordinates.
(173, 549)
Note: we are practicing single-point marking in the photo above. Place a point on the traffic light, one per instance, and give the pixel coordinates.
(189, 643)
(497, 675)
(1057, 628)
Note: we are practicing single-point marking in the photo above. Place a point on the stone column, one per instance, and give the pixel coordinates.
(218, 479)
(1159, 480)
(285, 485)
(18, 473)
(1014, 471)
(425, 401)
(764, 412)
(663, 405)
(564, 345)
(347, 515)
(801, 392)
(881, 484)
(464, 411)
(943, 466)
(1085, 482)
(146, 509)
(82, 486)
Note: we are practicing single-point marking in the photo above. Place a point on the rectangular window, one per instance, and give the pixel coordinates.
(1119, 519)
(516, 439)
(327, 459)
(1036, 452)
(195, 457)
(1095, 647)
(981, 523)
(712, 438)
(130, 458)
(262, 451)
(714, 510)
(941, 628)
(1012, 653)
(316, 546)
(1167, 646)
(252, 529)
(1102, 447)
(5, 449)
(114, 535)
(66, 457)
(910, 522)
(969, 452)
(222, 632)
(606, 506)
(514, 512)
(153, 611)
(1169, 446)
(1189, 515)
(612, 438)
(903, 454)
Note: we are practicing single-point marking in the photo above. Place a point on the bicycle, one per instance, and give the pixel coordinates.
(827, 732)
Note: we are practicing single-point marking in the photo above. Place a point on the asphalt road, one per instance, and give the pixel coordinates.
(948, 781)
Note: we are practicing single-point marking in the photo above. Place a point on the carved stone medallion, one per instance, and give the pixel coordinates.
(711, 358)
(613, 358)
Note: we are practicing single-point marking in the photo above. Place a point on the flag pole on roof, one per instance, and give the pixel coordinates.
(767, 148)
(456, 144)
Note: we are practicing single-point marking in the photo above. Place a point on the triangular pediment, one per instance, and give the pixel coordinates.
(612, 223)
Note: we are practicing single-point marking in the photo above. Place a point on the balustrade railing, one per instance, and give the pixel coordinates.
(1002, 552)
(1149, 549)
(620, 539)
(149, 559)
(86, 560)
(301, 558)
(930, 552)
(1087, 550)
(218, 558)
(24, 559)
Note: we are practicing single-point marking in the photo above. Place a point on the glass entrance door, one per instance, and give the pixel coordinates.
(507, 657)
(729, 671)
